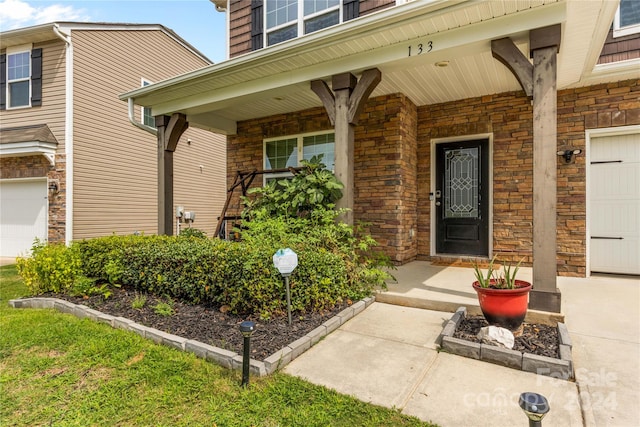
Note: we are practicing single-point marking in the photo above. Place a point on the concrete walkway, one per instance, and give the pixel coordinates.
(387, 355)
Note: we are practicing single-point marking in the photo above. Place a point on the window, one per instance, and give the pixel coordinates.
(286, 19)
(147, 117)
(627, 20)
(21, 81)
(282, 153)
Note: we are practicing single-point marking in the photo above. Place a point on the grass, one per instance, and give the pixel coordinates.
(56, 369)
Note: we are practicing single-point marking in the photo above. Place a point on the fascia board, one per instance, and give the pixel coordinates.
(27, 148)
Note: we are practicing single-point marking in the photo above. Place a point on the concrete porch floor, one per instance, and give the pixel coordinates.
(421, 284)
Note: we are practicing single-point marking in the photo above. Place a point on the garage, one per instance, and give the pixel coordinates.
(614, 203)
(23, 215)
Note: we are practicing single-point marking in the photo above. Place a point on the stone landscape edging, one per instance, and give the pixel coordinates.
(225, 358)
(542, 365)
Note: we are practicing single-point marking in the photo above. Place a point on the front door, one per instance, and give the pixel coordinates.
(462, 198)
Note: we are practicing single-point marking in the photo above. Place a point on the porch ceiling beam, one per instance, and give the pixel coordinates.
(213, 122)
(446, 42)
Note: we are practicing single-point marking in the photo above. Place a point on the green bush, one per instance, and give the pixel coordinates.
(51, 268)
(193, 232)
(102, 257)
(312, 188)
(336, 262)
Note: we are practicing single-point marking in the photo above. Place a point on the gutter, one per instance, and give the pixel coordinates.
(132, 118)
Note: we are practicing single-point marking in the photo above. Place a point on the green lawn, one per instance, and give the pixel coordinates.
(58, 370)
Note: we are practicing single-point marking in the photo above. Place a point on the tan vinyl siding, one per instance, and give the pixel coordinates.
(115, 175)
(52, 110)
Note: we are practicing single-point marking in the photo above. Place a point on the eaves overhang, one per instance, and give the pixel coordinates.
(276, 79)
(28, 141)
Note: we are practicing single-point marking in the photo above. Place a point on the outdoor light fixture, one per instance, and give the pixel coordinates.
(535, 407)
(53, 185)
(247, 327)
(569, 154)
(285, 260)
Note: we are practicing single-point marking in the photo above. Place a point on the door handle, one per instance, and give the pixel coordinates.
(438, 203)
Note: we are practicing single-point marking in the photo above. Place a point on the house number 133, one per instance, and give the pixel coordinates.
(420, 48)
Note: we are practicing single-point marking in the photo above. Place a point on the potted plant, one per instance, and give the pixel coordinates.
(503, 299)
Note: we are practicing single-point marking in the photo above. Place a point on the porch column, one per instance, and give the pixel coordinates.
(169, 131)
(539, 81)
(343, 106)
(544, 44)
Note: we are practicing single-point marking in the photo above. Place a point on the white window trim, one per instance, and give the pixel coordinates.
(623, 31)
(144, 82)
(299, 22)
(300, 137)
(13, 50)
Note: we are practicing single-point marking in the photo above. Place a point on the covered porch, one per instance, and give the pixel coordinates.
(420, 54)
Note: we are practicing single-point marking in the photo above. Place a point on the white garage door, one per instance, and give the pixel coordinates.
(614, 197)
(23, 215)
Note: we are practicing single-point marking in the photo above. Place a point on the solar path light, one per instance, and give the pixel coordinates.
(535, 406)
(285, 260)
(247, 327)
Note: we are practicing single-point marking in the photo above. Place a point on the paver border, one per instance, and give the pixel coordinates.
(542, 365)
(222, 357)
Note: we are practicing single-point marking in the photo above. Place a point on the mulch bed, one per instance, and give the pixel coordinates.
(538, 339)
(206, 323)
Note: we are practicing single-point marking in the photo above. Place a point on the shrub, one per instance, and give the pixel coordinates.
(312, 188)
(193, 232)
(51, 268)
(102, 257)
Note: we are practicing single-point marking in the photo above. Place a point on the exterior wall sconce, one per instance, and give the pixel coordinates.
(568, 155)
(53, 186)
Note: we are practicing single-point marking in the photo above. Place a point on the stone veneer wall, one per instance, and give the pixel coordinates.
(39, 167)
(385, 165)
(386, 174)
(393, 163)
(508, 117)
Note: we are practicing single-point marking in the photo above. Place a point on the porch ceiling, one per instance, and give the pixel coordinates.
(277, 79)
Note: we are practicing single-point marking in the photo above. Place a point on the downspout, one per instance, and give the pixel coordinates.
(132, 119)
(68, 133)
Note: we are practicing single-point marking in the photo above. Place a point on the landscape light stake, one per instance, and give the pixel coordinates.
(247, 327)
(285, 261)
(286, 285)
(535, 407)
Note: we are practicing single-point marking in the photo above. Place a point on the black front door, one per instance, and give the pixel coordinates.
(462, 197)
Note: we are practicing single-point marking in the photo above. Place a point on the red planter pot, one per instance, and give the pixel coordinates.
(504, 307)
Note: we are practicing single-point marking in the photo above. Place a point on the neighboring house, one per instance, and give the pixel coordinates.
(72, 164)
(448, 121)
